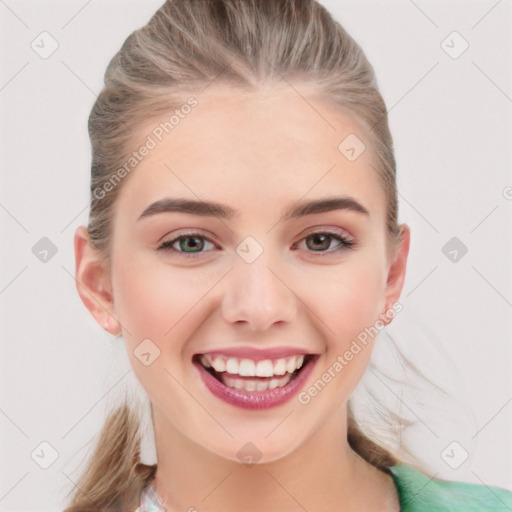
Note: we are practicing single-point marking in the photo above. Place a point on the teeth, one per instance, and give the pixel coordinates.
(250, 368)
(265, 368)
(280, 367)
(231, 365)
(246, 368)
(218, 364)
(273, 384)
(253, 385)
(261, 385)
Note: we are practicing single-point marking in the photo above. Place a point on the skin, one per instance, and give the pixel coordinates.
(258, 153)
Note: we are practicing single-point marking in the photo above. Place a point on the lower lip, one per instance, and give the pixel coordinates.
(255, 399)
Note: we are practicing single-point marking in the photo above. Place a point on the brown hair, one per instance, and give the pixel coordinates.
(186, 46)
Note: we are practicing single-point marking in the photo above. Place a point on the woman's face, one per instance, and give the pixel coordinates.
(250, 288)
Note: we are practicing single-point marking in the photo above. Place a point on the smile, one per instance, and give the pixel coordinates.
(254, 383)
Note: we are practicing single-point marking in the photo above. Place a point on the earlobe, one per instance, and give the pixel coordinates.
(396, 273)
(93, 282)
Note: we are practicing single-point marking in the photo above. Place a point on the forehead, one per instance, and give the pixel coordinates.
(272, 144)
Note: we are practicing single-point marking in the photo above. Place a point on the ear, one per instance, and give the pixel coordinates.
(396, 274)
(93, 283)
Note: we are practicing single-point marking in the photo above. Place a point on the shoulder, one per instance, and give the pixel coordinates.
(420, 493)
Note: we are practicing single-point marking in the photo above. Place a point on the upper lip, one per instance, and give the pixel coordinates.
(258, 354)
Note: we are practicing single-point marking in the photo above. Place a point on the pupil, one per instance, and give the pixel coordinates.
(183, 243)
(325, 238)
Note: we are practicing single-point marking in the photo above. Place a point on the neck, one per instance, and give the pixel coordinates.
(323, 474)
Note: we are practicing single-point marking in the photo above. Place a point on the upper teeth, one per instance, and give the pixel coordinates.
(250, 368)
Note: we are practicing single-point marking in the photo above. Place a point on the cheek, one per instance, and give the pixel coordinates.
(152, 298)
(348, 302)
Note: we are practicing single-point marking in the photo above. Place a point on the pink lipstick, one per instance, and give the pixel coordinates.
(260, 380)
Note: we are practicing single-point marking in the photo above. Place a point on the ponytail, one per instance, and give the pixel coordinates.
(114, 476)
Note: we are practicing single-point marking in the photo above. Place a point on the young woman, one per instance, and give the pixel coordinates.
(244, 241)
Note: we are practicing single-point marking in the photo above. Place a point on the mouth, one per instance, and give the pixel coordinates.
(252, 383)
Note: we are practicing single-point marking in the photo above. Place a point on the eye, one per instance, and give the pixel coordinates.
(321, 241)
(188, 244)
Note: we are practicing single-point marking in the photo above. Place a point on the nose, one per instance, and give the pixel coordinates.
(258, 296)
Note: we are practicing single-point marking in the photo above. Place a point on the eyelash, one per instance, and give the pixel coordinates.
(345, 243)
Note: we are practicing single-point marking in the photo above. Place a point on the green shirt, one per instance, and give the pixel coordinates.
(419, 493)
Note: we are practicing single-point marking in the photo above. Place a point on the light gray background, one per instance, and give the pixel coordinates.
(451, 122)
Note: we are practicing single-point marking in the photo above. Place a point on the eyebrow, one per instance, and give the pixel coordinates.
(214, 209)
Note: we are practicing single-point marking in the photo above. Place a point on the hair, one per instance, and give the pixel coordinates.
(185, 47)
